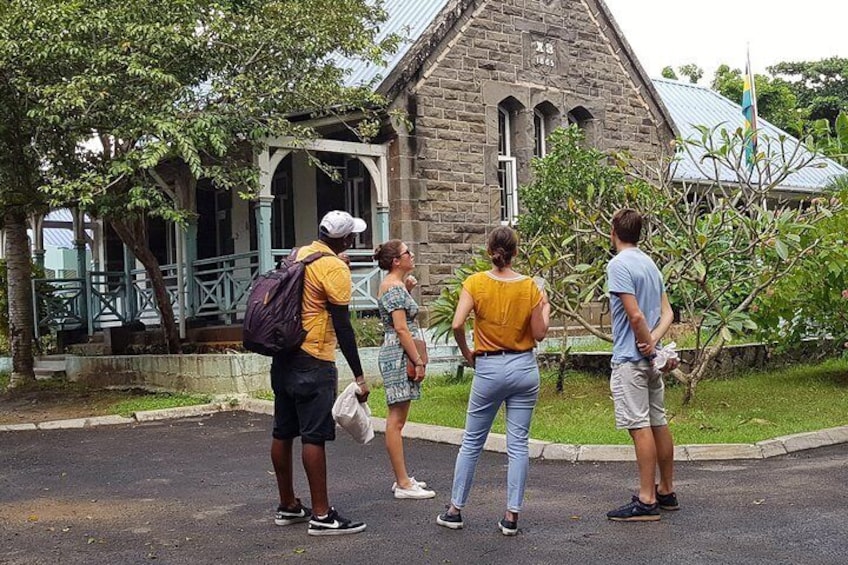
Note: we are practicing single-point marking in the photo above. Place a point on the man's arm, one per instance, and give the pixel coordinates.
(347, 342)
(666, 318)
(637, 322)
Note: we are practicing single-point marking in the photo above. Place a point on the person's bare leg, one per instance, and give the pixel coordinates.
(646, 460)
(395, 422)
(281, 457)
(665, 458)
(315, 464)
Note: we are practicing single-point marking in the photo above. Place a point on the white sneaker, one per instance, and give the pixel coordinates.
(415, 491)
(422, 484)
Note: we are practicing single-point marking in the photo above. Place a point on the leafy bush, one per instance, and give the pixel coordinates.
(443, 308)
(368, 330)
(812, 300)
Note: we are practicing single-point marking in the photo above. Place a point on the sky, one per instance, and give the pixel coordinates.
(709, 33)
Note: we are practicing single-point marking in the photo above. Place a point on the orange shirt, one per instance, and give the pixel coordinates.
(326, 280)
(502, 310)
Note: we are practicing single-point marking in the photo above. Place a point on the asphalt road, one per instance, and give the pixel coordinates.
(201, 491)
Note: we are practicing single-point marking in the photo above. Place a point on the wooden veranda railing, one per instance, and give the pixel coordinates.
(216, 288)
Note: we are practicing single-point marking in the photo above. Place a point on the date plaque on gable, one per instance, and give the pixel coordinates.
(541, 53)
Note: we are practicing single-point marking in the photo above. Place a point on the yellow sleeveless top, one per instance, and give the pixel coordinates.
(502, 310)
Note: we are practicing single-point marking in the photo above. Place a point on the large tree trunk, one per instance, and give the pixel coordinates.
(132, 233)
(21, 320)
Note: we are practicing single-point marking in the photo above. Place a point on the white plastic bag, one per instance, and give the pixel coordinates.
(352, 415)
(664, 355)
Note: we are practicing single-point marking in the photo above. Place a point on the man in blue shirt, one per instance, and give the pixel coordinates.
(641, 314)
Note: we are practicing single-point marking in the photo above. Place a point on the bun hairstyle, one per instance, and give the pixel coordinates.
(503, 245)
(387, 252)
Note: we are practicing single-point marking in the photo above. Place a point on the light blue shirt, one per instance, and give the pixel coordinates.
(632, 272)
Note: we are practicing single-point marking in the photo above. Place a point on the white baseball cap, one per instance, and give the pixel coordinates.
(338, 224)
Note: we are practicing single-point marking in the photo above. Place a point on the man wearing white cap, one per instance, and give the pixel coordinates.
(305, 383)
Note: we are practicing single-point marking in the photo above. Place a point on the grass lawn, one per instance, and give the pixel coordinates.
(59, 400)
(757, 406)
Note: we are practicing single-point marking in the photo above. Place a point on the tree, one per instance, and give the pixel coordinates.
(820, 86)
(691, 71)
(177, 90)
(19, 181)
(832, 142)
(776, 100)
(719, 245)
(811, 302)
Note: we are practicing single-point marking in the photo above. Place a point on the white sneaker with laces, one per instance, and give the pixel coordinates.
(422, 484)
(415, 491)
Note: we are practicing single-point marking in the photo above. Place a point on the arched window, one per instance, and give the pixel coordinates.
(545, 118)
(507, 163)
(580, 117)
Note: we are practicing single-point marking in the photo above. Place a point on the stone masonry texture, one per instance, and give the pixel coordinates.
(560, 57)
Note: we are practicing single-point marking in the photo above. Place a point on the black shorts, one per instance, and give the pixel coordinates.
(304, 392)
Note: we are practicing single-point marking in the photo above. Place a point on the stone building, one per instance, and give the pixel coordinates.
(482, 82)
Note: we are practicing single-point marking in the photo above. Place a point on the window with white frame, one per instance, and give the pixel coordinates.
(540, 134)
(507, 169)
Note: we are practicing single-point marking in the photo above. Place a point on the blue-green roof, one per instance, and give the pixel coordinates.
(691, 105)
(407, 18)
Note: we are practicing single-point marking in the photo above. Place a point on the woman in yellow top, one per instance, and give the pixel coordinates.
(511, 313)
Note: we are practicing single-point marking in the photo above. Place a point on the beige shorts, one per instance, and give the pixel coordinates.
(638, 393)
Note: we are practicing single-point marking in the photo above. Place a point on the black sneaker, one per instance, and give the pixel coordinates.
(636, 511)
(289, 516)
(667, 501)
(448, 520)
(508, 527)
(333, 525)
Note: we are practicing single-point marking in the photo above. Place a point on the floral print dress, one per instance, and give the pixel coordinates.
(392, 358)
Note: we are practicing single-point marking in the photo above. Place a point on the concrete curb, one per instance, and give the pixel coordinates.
(542, 450)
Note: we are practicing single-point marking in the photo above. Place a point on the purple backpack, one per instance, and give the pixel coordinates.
(273, 322)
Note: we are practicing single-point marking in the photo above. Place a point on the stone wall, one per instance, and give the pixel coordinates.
(556, 55)
(733, 361)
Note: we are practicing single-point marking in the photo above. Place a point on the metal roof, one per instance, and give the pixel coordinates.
(407, 18)
(691, 105)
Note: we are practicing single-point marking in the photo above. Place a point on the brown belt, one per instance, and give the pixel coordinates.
(499, 352)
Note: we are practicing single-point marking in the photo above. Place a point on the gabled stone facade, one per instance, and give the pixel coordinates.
(559, 56)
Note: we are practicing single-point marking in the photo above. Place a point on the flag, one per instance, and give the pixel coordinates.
(749, 110)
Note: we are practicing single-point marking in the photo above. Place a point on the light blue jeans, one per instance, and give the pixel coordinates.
(512, 379)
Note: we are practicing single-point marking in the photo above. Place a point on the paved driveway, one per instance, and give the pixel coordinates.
(201, 491)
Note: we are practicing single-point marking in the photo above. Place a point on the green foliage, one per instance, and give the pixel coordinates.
(776, 100)
(157, 401)
(719, 244)
(832, 142)
(44, 290)
(179, 87)
(812, 300)
(821, 86)
(368, 330)
(442, 309)
(668, 72)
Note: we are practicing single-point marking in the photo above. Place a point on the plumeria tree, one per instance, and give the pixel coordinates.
(720, 244)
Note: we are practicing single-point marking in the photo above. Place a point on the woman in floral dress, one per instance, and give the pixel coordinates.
(397, 313)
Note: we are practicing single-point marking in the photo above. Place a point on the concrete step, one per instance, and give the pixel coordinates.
(50, 365)
(42, 374)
